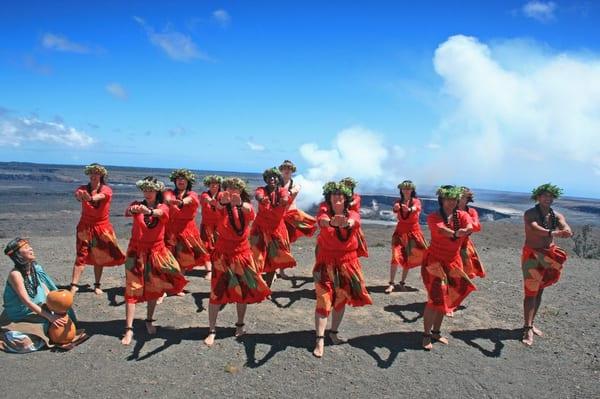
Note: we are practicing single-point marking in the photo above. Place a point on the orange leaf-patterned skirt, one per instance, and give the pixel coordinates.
(271, 249)
(541, 268)
(338, 284)
(236, 279)
(187, 247)
(97, 245)
(408, 249)
(446, 283)
(470, 260)
(299, 223)
(151, 272)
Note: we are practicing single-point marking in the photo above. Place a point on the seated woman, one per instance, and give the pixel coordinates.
(24, 322)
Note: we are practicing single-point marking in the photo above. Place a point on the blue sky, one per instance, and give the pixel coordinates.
(477, 93)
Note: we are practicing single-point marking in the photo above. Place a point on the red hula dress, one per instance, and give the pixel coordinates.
(298, 222)
(150, 269)
(269, 236)
(182, 234)
(408, 242)
(208, 226)
(235, 277)
(446, 283)
(363, 250)
(469, 256)
(96, 242)
(337, 272)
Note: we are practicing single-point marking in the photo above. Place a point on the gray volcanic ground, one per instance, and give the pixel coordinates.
(382, 357)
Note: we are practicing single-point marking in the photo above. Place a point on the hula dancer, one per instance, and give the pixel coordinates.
(182, 235)
(269, 236)
(337, 272)
(541, 261)
(96, 242)
(236, 278)
(470, 258)
(151, 269)
(297, 222)
(408, 242)
(445, 281)
(210, 218)
(363, 250)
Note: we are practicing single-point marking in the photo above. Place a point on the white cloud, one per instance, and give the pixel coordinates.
(16, 131)
(357, 152)
(222, 17)
(117, 91)
(176, 45)
(62, 43)
(540, 10)
(500, 112)
(254, 146)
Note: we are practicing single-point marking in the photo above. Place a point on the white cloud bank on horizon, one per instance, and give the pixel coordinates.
(515, 115)
(357, 152)
(175, 45)
(17, 131)
(502, 110)
(539, 10)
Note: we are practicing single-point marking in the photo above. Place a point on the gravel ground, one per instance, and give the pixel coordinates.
(381, 359)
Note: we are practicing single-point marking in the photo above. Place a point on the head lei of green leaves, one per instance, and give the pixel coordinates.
(450, 192)
(336, 188)
(237, 184)
(95, 168)
(271, 172)
(349, 182)
(212, 179)
(150, 183)
(467, 191)
(549, 188)
(287, 164)
(185, 173)
(407, 185)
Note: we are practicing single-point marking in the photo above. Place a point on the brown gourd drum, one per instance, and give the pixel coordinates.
(59, 302)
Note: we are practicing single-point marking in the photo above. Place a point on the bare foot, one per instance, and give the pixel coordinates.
(239, 330)
(210, 338)
(427, 345)
(319, 347)
(450, 313)
(127, 337)
(537, 331)
(333, 335)
(527, 336)
(98, 290)
(436, 336)
(74, 288)
(390, 288)
(208, 275)
(151, 328)
(161, 299)
(180, 293)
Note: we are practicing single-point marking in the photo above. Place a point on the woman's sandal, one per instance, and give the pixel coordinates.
(390, 288)
(210, 343)
(318, 338)
(437, 337)
(427, 345)
(239, 326)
